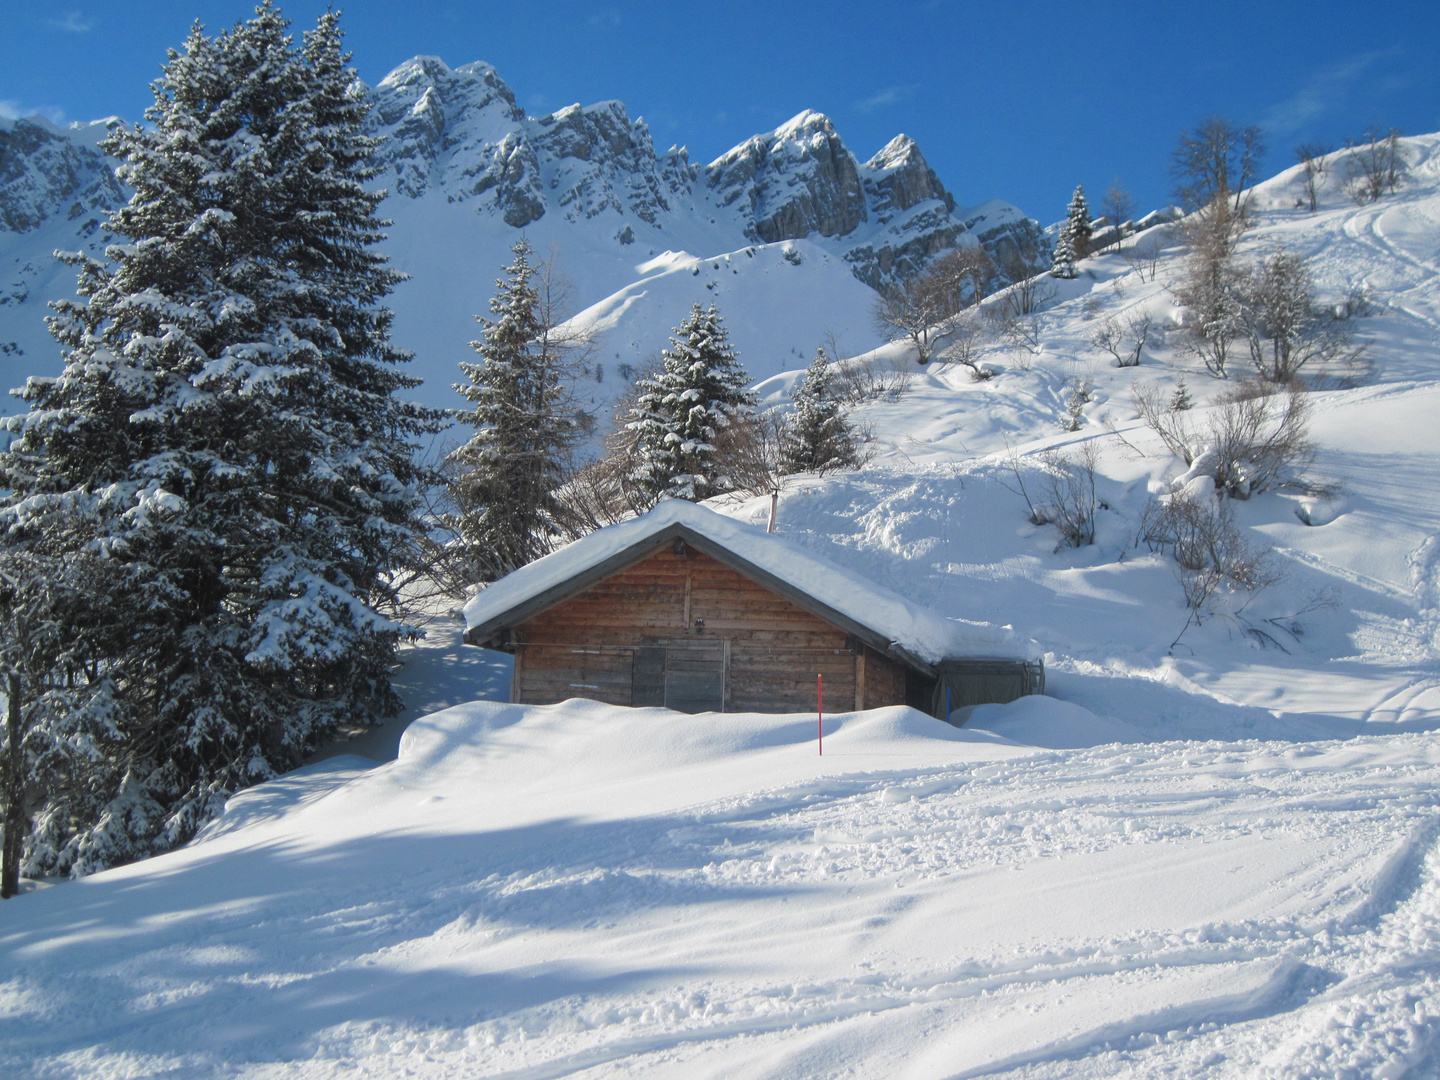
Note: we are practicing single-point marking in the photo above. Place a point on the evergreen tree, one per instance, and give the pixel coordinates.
(680, 411)
(818, 437)
(225, 434)
(1077, 217)
(1063, 263)
(511, 467)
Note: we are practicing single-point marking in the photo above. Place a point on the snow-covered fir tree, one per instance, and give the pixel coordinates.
(1077, 217)
(226, 434)
(1063, 263)
(508, 473)
(818, 437)
(680, 411)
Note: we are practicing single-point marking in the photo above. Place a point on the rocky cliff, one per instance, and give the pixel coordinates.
(459, 131)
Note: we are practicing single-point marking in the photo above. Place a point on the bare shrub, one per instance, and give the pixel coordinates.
(1066, 494)
(1174, 430)
(1259, 435)
(1069, 487)
(923, 308)
(1256, 439)
(1313, 157)
(862, 379)
(968, 272)
(1123, 339)
(1210, 553)
(1117, 206)
(1285, 328)
(1144, 256)
(967, 339)
(1376, 166)
(752, 451)
(1027, 296)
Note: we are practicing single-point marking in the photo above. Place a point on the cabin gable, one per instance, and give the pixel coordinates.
(680, 628)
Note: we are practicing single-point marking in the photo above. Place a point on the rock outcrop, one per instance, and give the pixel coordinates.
(45, 171)
(458, 134)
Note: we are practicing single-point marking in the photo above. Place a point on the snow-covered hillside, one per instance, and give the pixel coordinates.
(580, 890)
(1212, 859)
(469, 173)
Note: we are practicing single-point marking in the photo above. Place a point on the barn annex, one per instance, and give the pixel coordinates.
(687, 608)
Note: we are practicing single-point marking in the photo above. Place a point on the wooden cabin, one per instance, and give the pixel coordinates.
(688, 609)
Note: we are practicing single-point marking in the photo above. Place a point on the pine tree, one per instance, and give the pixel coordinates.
(1180, 400)
(225, 433)
(818, 436)
(1077, 217)
(1063, 264)
(512, 466)
(680, 411)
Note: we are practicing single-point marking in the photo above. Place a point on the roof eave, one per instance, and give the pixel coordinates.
(488, 633)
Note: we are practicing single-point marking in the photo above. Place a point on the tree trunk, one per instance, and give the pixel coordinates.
(13, 793)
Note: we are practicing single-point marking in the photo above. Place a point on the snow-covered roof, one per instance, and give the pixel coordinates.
(841, 597)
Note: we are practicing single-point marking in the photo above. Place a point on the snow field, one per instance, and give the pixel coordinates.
(579, 889)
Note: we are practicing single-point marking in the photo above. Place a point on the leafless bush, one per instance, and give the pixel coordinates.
(1260, 437)
(1208, 549)
(1257, 438)
(1174, 430)
(1117, 206)
(752, 451)
(1285, 328)
(1144, 256)
(862, 379)
(1123, 339)
(923, 308)
(1028, 296)
(967, 272)
(1312, 156)
(597, 495)
(1376, 165)
(1066, 493)
(1070, 486)
(967, 338)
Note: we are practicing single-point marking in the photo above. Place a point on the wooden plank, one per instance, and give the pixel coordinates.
(648, 680)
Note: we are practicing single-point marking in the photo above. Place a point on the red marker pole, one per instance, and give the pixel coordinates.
(820, 712)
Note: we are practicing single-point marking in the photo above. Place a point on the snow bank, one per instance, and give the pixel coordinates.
(921, 632)
(1043, 721)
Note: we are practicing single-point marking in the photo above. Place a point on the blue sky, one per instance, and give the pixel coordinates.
(1018, 100)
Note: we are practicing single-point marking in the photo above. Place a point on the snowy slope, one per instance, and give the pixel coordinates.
(1217, 859)
(937, 517)
(579, 890)
(470, 173)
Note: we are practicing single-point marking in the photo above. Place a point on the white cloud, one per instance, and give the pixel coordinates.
(74, 22)
(891, 95)
(13, 110)
(1322, 92)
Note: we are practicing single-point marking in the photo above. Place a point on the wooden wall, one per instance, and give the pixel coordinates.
(585, 646)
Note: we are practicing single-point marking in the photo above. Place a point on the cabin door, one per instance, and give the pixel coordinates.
(686, 676)
(695, 676)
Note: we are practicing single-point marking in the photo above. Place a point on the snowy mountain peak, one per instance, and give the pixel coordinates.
(45, 170)
(898, 177)
(795, 180)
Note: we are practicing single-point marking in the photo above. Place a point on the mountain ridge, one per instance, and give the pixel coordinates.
(469, 172)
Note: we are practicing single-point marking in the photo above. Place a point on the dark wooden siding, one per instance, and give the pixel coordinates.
(599, 644)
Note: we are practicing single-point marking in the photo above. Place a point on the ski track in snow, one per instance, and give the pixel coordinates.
(646, 942)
